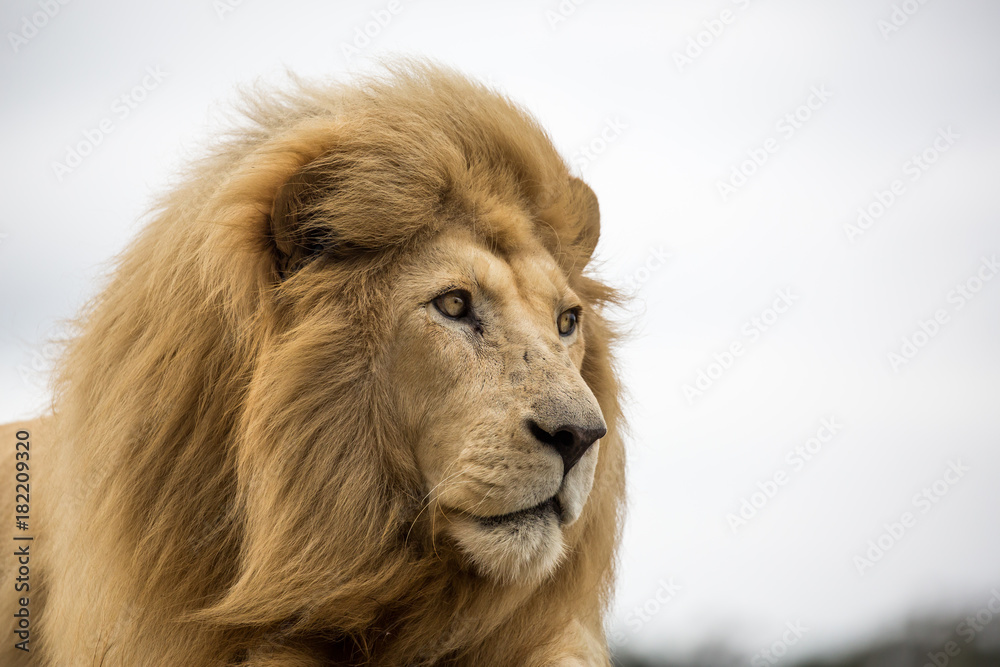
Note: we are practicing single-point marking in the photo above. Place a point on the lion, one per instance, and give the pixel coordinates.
(348, 398)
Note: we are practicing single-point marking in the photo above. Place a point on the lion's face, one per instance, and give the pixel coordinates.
(486, 368)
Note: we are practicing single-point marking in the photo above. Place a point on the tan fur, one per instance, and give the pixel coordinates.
(265, 454)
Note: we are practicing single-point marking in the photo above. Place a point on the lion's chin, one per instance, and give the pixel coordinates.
(523, 546)
(526, 545)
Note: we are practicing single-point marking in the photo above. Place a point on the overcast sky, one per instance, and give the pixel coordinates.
(801, 196)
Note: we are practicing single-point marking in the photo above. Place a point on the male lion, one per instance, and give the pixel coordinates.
(347, 399)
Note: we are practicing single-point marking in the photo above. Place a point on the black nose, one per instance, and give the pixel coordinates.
(571, 441)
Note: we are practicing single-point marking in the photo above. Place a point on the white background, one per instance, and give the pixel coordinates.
(673, 130)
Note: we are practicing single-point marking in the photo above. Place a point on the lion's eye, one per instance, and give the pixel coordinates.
(454, 304)
(567, 322)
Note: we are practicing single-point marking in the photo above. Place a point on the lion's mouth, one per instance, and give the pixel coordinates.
(552, 505)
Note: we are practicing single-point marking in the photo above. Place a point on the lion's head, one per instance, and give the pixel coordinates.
(355, 372)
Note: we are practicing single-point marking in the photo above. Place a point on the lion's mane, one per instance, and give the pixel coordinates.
(224, 476)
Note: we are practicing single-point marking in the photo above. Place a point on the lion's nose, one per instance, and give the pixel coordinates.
(570, 440)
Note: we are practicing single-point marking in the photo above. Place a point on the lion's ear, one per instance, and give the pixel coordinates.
(274, 193)
(296, 234)
(584, 208)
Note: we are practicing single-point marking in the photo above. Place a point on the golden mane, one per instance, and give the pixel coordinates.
(233, 487)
